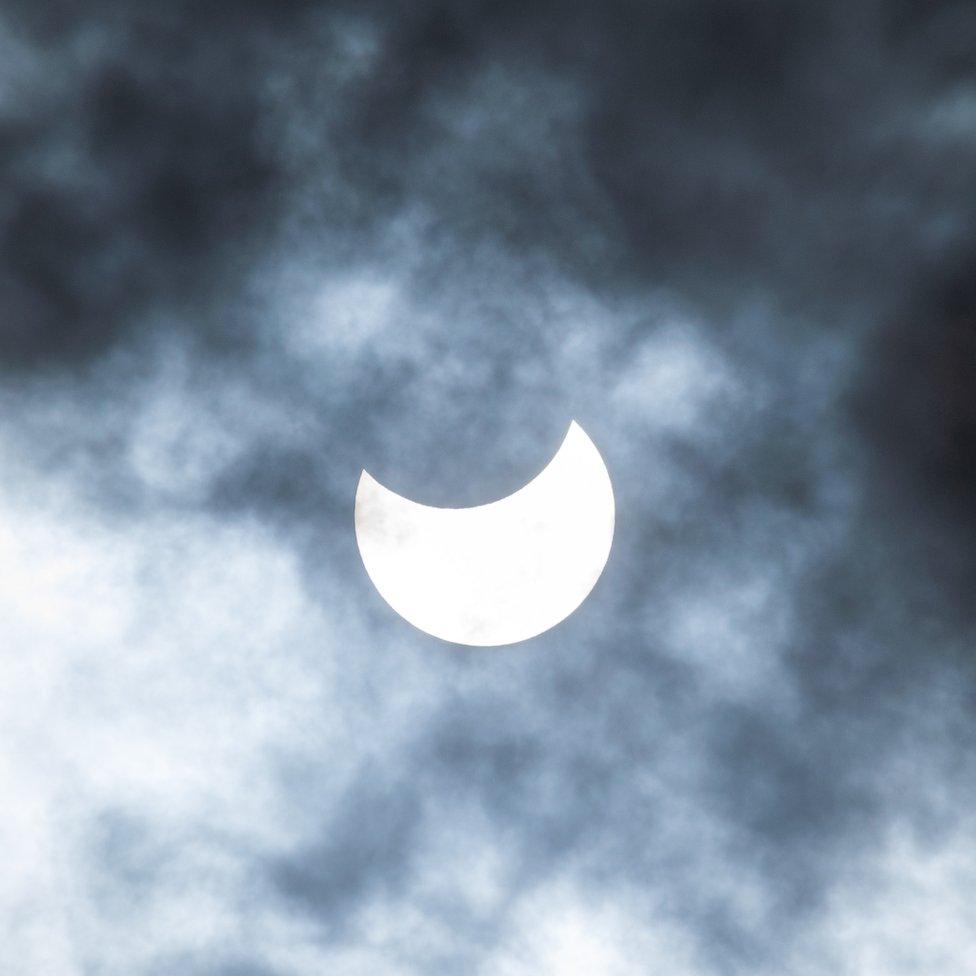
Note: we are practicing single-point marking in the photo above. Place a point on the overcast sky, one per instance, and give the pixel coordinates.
(247, 250)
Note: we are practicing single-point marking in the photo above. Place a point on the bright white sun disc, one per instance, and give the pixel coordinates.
(498, 573)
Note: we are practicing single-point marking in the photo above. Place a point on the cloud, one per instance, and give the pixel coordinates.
(247, 252)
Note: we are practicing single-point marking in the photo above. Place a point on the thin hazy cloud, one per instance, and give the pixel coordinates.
(248, 250)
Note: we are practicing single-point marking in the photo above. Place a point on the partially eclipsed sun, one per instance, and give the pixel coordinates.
(498, 573)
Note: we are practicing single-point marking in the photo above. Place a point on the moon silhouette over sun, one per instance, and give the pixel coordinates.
(499, 573)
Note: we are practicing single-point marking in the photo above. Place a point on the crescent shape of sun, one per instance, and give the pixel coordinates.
(498, 573)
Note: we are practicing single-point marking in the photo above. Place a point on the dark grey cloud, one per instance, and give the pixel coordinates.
(247, 251)
(134, 175)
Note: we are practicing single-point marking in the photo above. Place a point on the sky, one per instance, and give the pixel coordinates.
(249, 250)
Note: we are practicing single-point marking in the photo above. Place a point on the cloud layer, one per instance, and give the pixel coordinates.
(247, 251)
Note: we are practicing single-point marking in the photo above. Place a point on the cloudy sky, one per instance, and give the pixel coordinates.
(247, 250)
